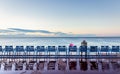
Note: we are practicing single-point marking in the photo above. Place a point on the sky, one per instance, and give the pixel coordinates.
(67, 17)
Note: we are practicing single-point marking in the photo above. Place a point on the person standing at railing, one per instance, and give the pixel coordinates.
(84, 44)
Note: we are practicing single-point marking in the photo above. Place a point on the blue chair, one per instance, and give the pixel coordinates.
(62, 49)
(72, 48)
(105, 49)
(30, 48)
(51, 49)
(9, 50)
(93, 49)
(19, 49)
(40, 50)
(115, 49)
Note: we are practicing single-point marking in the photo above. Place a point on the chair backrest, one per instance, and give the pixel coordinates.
(40, 48)
(9, 48)
(19, 49)
(93, 48)
(72, 48)
(51, 49)
(30, 48)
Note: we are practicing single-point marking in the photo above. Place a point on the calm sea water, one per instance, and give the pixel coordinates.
(99, 41)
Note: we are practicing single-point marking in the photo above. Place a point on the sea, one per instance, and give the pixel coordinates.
(59, 41)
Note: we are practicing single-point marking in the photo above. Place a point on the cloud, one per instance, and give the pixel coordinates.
(5, 31)
(17, 32)
(27, 30)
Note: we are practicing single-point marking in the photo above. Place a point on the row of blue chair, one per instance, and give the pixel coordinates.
(60, 49)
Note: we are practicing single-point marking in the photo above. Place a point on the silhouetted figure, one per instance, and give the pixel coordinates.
(84, 44)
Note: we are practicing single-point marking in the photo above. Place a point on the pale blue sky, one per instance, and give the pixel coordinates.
(100, 17)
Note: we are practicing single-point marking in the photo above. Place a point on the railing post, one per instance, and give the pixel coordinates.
(78, 64)
(46, 65)
(88, 65)
(24, 66)
(13, 66)
(56, 65)
(2, 66)
(67, 67)
(99, 66)
(110, 65)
